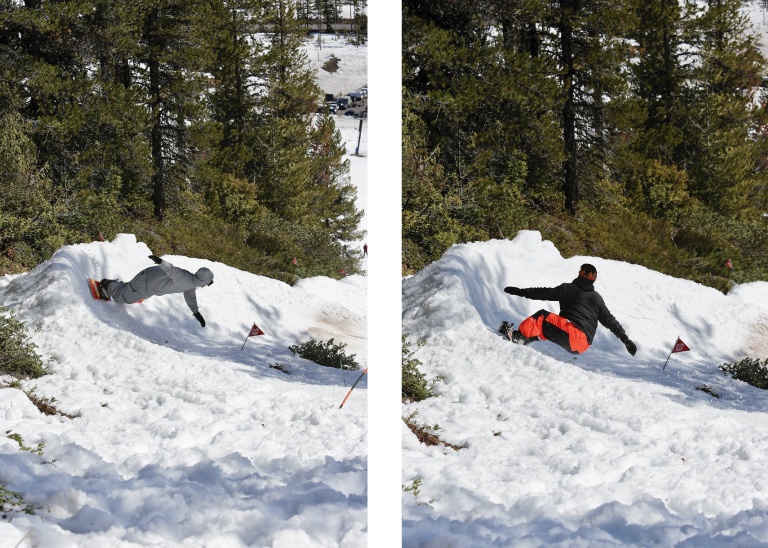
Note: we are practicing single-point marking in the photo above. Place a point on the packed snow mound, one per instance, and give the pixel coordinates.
(603, 449)
(179, 436)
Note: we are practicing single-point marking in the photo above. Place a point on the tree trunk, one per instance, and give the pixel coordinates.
(240, 122)
(668, 77)
(571, 182)
(530, 39)
(158, 188)
(124, 73)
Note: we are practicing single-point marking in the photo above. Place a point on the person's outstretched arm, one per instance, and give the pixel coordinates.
(191, 298)
(539, 293)
(176, 274)
(179, 275)
(607, 320)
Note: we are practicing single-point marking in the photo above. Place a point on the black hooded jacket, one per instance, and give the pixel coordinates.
(579, 303)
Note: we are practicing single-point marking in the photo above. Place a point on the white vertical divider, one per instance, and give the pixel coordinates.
(384, 275)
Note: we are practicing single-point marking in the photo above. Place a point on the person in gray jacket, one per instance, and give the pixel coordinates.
(163, 279)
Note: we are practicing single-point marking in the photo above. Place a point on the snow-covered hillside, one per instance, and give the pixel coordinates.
(603, 450)
(353, 64)
(358, 167)
(756, 10)
(180, 438)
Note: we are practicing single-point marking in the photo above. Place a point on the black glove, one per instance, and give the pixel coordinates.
(199, 318)
(513, 291)
(631, 347)
(155, 258)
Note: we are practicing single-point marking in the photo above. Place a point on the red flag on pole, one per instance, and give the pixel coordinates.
(101, 237)
(729, 264)
(343, 272)
(680, 347)
(254, 331)
(295, 262)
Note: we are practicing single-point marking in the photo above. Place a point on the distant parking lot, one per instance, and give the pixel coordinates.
(354, 103)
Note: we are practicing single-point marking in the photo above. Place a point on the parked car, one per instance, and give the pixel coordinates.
(326, 107)
(351, 113)
(341, 106)
(343, 100)
(356, 95)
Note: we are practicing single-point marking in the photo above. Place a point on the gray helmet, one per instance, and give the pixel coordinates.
(204, 276)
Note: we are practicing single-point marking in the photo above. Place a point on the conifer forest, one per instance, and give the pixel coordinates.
(633, 130)
(192, 123)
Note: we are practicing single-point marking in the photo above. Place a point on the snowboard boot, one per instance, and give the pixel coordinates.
(518, 338)
(103, 289)
(505, 329)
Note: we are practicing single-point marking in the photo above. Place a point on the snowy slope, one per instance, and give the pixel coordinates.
(358, 166)
(353, 64)
(180, 438)
(603, 450)
(757, 16)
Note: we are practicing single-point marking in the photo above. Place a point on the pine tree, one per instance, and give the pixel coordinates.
(490, 115)
(360, 21)
(89, 127)
(327, 8)
(171, 54)
(727, 106)
(298, 164)
(663, 32)
(588, 48)
(239, 68)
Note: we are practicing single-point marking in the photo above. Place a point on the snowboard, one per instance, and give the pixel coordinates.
(96, 294)
(505, 330)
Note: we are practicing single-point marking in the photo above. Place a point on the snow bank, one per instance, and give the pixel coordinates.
(601, 450)
(180, 438)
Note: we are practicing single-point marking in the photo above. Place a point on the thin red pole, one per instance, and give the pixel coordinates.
(353, 387)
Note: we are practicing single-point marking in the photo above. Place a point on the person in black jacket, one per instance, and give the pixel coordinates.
(581, 307)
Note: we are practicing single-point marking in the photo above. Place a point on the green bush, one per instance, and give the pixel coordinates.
(749, 370)
(708, 390)
(315, 249)
(17, 354)
(11, 501)
(326, 354)
(414, 383)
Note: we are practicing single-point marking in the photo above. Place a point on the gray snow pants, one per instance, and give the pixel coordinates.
(122, 292)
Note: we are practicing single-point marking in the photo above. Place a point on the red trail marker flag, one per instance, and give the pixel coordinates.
(101, 237)
(729, 264)
(680, 346)
(295, 262)
(254, 332)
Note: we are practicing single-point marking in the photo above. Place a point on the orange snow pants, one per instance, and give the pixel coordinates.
(548, 326)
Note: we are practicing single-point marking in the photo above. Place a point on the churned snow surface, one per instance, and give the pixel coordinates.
(179, 437)
(603, 450)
